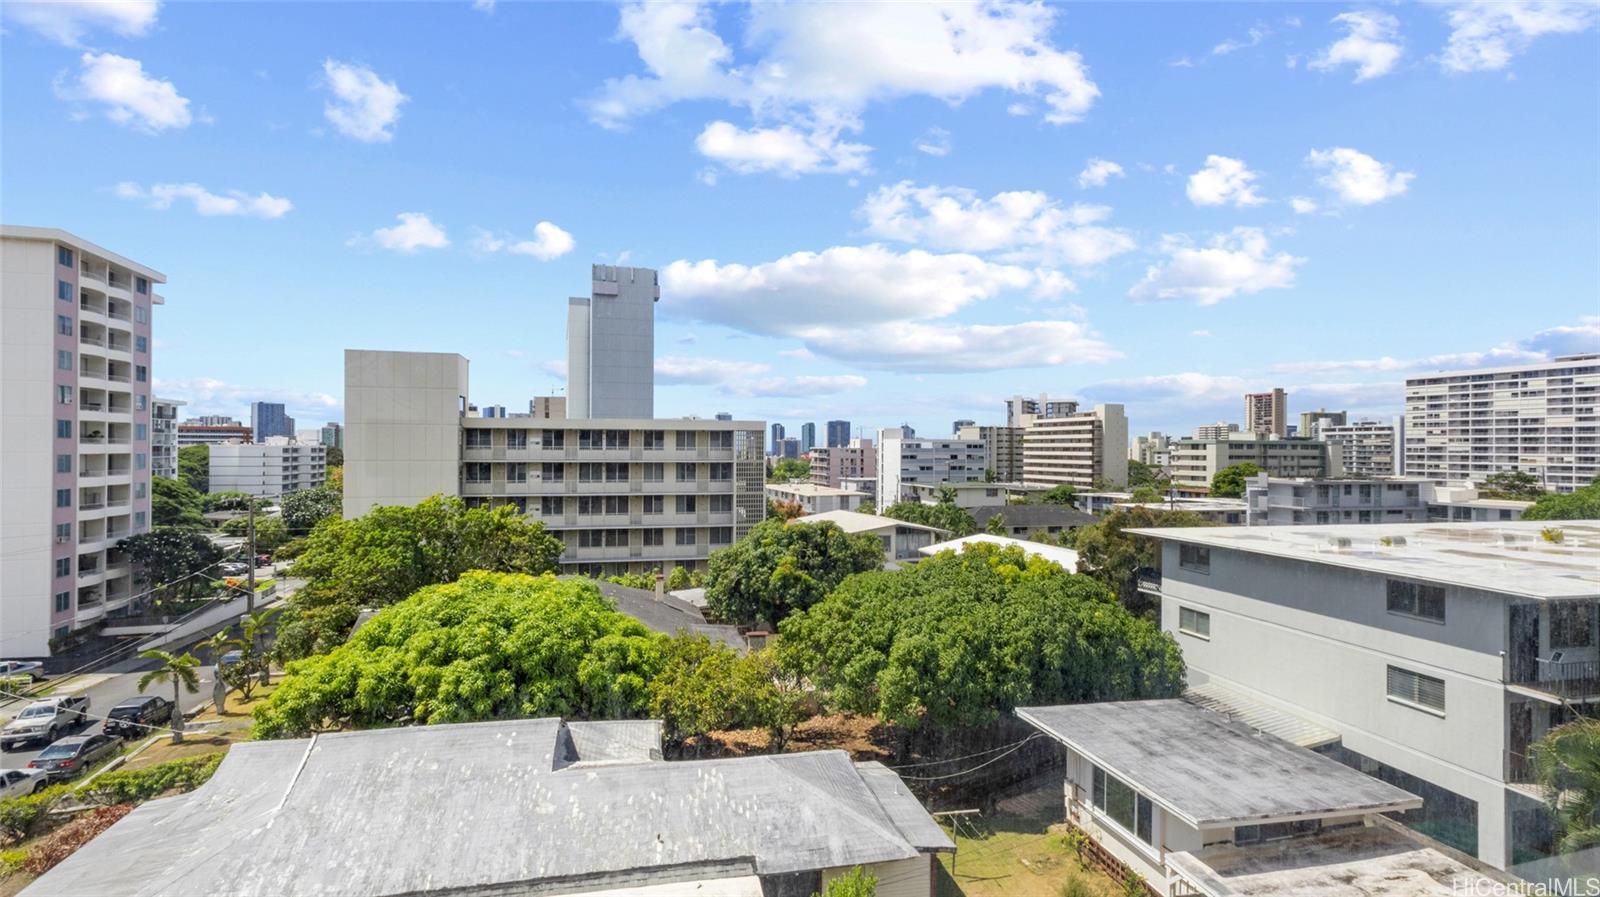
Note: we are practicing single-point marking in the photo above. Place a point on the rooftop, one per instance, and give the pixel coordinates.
(1209, 770)
(668, 614)
(1066, 557)
(1194, 505)
(1034, 515)
(857, 522)
(57, 235)
(525, 806)
(811, 489)
(1510, 557)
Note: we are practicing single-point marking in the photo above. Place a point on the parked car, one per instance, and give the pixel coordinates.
(33, 669)
(44, 721)
(21, 782)
(136, 716)
(263, 560)
(70, 756)
(234, 568)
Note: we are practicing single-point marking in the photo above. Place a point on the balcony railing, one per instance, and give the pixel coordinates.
(1149, 581)
(1564, 679)
(91, 340)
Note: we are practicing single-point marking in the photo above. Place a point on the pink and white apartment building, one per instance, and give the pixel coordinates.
(75, 432)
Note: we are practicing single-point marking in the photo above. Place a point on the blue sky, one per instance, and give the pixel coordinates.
(879, 213)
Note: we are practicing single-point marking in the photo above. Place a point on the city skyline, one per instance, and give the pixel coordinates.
(849, 242)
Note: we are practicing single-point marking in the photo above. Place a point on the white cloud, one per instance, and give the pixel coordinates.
(1025, 225)
(484, 6)
(66, 21)
(1255, 36)
(1485, 36)
(749, 378)
(1200, 334)
(676, 370)
(415, 231)
(1188, 388)
(1222, 181)
(940, 348)
(131, 97)
(556, 367)
(1357, 177)
(1096, 172)
(934, 142)
(549, 242)
(210, 396)
(1302, 205)
(363, 106)
(1241, 261)
(1371, 44)
(783, 150)
(236, 202)
(1566, 339)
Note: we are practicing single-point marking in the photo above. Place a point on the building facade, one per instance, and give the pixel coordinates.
(1278, 501)
(1311, 421)
(838, 433)
(1267, 413)
(270, 469)
(164, 437)
(76, 434)
(269, 419)
(1080, 449)
(904, 460)
(1219, 430)
(775, 440)
(808, 437)
(1195, 461)
(548, 407)
(815, 499)
(856, 459)
(1539, 418)
(1149, 449)
(331, 436)
(611, 339)
(191, 433)
(1002, 450)
(1371, 448)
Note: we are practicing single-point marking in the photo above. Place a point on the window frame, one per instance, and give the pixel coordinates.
(1414, 696)
(1405, 598)
(1194, 558)
(1203, 631)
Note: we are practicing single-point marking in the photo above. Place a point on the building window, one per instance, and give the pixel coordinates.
(141, 344)
(63, 498)
(1194, 622)
(720, 473)
(721, 504)
(63, 256)
(654, 473)
(480, 439)
(63, 567)
(550, 506)
(602, 538)
(516, 439)
(63, 464)
(139, 460)
(685, 504)
(63, 532)
(1571, 624)
(654, 538)
(138, 520)
(138, 489)
(1129, 809)
(1415, 688)
(477, 472)
(63, 429)
(63, 360)
(1415, 599)
(721, 439)
(63, 291)
(552, 473)
(722, 535)
(685, 536)
(685, 440)
(516, 473)
(685, 472)
(1276, 831)
(63, 325)
(655, 504)
(553, 439)
(138, 314)
(141, 285)
(141, 373)
(654, 440)
(1194, 557)
(140, 402)
(139, 432)
(63, 602)
(64, 395)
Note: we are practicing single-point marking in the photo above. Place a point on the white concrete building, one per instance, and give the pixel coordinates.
(164, 437)
(901, 540)
(832, 464)
(815, 499)
(906, 460)
(1195, 461)
(1002, 449)
(1149, 449)
(1081, 449)
(1539, 418)
(273, 468)
(1219, 430)
(1277, 501)
(974, 494)
(1435, 653)
(1066, 558)
(611, 340)
(192, 432)
(75, 432)
(1372, 448)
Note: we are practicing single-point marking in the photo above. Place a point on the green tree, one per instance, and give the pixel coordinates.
(1114, 557)
(194, 467)
(178, 669)
(1060, 494)
(174, 503)
(270, 531)
(232, 500)
(306, 508)
(1141, 474)
(778, 568)
(679, 578)
(787, 469)
(1580, 504)
(335, 456)
(1147, 493)
(1566, 763)
(945, 515)
(996, 525)
(705, 686)
(377, 559)
(959, 639)
(858, 882)
(487, 646)
(1513, 484)
(867, 507)
(168, 557)
(1229, 481)
(222, 678)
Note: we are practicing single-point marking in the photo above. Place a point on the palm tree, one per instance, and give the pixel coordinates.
(255, 626)
(180, 671)
(1566, 763)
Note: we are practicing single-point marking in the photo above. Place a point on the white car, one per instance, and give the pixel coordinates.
(22, 782)
(33, 669)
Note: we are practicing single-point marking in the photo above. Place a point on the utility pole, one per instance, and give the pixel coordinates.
(250, 562)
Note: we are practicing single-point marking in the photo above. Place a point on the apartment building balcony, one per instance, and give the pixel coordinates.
(1569, 680)
(1148, 581)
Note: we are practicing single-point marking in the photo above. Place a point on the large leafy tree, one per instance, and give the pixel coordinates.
(705, 686)
(1059, 494)
(335, 456)
(175, 503)
(175, 560)
(1229, 481)
(1114, 557)
(194, 467)
(779, 568)
(1514, 484)
(306, 508)
(1566, 762)
(377, 559)
(1141, 474)
(1580, 504)
(789, 469)
(270, 531)
(487, 646)
(945, 515)
(960, 639)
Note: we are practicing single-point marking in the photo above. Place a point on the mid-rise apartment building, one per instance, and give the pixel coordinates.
(1312, 421)
(192, 432)
(1150, 449)
(75, 432)
(838, 433)
(164, 437)
(550, 407)
(1022, 409)
(1219, 430)
(1432, 655)
(1194, 462)
(624, 495)
(1539, 418)
(856, 459)
(1002, 449)
(1267, 413)
(272, 468)
(1277, 501)
(1372, 448)
(1081, 449)
(611, 345)
(269, 419)
(808, 437)
(904, 459)
(331, 436)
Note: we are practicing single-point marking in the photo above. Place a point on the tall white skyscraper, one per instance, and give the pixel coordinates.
(611, 340)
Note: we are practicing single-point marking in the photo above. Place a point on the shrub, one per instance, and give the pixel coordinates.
(23, 817)
(1133, 885)
(72, 836)
(1074, 887)
(135, 785)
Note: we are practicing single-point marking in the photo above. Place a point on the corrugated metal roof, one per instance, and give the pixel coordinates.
(1237, 705)
(484, 805)
(903, 807)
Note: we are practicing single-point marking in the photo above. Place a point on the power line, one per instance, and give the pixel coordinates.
(1014, 748)
(102, 719)
(967, 757)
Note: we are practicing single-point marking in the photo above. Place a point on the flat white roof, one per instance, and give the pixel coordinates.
(57, 235)
(1187, 504)
(857, 522)
(1510, 557)
(1066, 557)
(812, 489)
(1561, 361)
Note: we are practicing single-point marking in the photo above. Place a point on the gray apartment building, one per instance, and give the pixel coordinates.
(611, 345)
(1194, 462)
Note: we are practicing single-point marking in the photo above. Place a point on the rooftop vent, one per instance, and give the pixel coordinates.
(1339, 543)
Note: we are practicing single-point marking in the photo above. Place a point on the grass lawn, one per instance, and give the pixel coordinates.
(1016, 856)
(220, 733)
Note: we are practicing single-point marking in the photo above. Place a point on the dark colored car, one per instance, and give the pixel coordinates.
(137, 716)
(70, 756)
